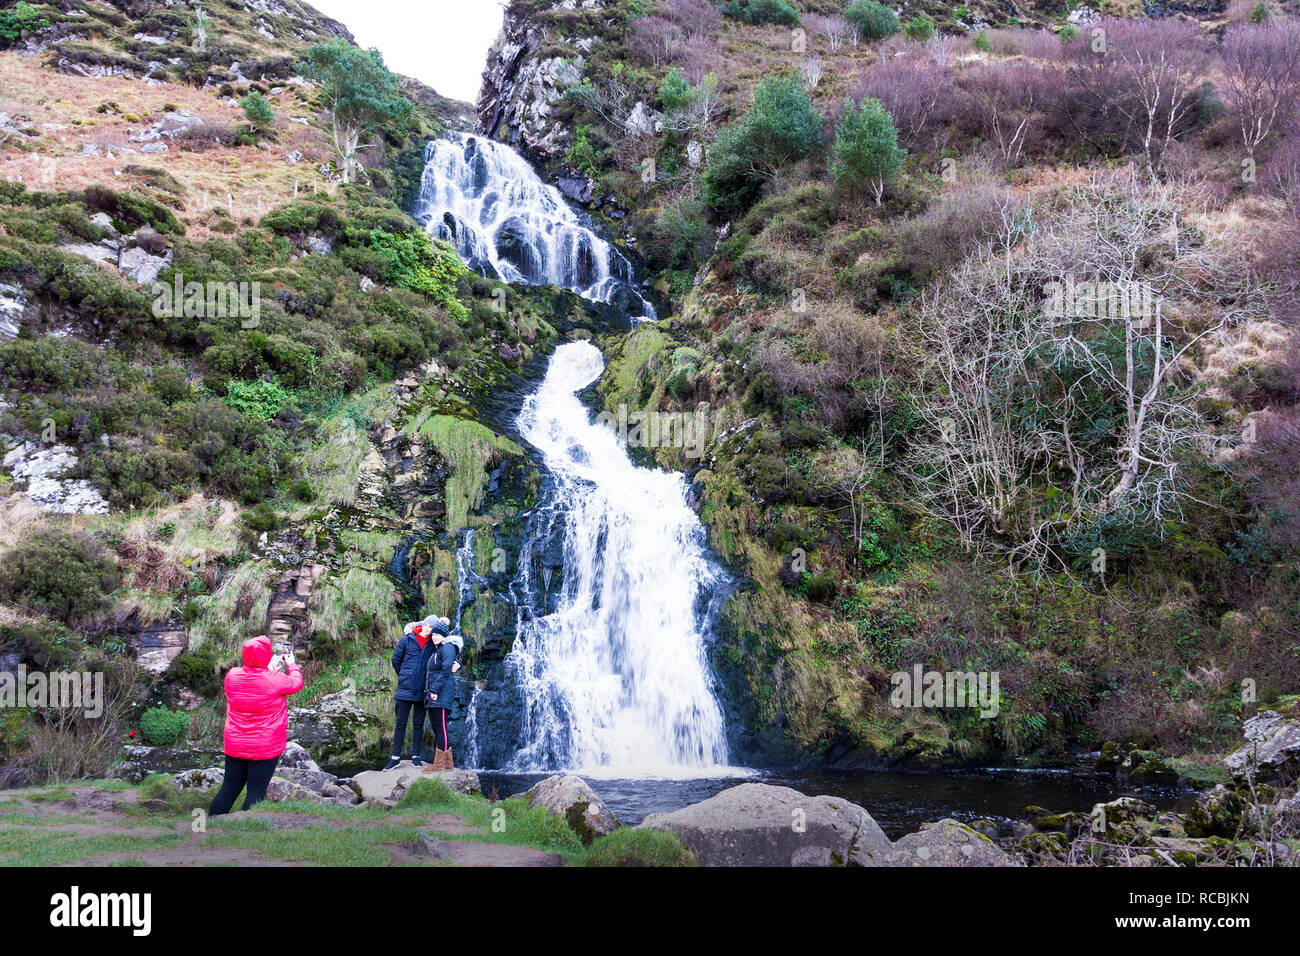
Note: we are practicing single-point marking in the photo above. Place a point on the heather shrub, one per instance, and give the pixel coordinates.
(66, 575)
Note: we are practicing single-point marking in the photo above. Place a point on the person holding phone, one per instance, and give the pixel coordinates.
(257, 722)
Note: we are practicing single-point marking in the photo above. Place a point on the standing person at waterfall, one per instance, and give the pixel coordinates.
(410, 664)
(257, 722)
(440, 695)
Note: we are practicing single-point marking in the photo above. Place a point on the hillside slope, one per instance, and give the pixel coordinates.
(825, 331)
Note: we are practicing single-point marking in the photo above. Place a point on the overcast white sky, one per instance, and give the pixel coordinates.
(442, 42)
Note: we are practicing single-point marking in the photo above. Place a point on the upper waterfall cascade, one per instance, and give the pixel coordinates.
(507, 224)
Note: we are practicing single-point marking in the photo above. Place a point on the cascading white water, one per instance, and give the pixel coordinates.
(507, 224)
(615, 678)
(611, 672)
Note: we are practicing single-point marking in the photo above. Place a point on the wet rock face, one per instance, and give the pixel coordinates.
(138, 762)
(343, 737)
(520, 87)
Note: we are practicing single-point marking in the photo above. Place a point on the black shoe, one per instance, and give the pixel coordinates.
(393, 762)
(417, 762)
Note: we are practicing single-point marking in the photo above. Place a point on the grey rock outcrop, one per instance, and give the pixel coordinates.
(572, 798)
(757, 824)
(947, 843)
(1272, 748)
(384, 788)
(521, 87)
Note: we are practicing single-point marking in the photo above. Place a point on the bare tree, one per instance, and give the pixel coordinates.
(812, 67)
(1060, 358)
(656, 39)
(1005, 99)
(1262, 77)
(834, 28)
(1146, 74)
(848, 477)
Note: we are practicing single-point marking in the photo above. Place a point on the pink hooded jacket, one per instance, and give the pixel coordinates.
(257, 712)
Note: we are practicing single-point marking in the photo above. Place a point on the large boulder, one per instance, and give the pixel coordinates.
(1147, 767)
(947, 843)
(756, 824)
(573, 799)
(1272, 748)
(1217, 813)
(384, 788)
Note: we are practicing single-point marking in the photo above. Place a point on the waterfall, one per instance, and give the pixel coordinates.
(615, 589)
(614, 677)
(507, 224)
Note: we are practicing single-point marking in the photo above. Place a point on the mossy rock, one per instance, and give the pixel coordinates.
(1148, 767)
(1217, 812)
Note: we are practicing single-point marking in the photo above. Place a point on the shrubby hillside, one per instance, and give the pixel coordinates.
(181, 472)
(859, 217)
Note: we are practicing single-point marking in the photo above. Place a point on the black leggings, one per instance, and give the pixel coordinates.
(406, 708)
(438, 718)
(256, 773)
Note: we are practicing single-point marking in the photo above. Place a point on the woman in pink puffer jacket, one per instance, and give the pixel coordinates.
(257, 723)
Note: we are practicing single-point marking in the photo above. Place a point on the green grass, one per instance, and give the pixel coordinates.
(331, 836)
(18, 848)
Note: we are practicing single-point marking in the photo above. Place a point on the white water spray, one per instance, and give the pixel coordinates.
(507, 224)
(615, 679)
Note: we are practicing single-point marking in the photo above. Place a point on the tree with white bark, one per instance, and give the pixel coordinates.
(1064, 395)
(360, 94)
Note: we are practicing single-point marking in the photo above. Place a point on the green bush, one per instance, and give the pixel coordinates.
(874, 20)
(919, 28)
(21, 19)
(760, 12)
(982, 42)
(196, 670)
(628, 847)
(67, 575)
(416, 262)
(258, 112)
(674, 92)
(259, 400)
(779, 128)
(161, 727)
(866, 151)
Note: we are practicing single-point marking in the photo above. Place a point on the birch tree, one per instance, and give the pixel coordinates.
(359, 93)
(1064, 395)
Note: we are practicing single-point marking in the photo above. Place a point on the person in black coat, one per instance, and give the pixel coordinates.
(410, 664)
(440, 695)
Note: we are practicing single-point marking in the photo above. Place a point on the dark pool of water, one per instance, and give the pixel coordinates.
(899, 802)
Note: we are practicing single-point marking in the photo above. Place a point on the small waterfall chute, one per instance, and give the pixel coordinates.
(506, 223)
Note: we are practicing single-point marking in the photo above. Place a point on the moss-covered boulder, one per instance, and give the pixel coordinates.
(1217, 813)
